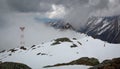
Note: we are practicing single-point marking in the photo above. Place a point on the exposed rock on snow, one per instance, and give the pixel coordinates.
(108, 64)
(13, 65)
(81, 61)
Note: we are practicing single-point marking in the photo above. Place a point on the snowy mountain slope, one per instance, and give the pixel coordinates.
(62, 50)
(105, 28)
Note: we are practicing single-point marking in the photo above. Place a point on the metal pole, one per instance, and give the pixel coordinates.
(22, 41)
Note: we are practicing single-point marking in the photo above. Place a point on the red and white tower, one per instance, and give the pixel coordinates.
(22, 40)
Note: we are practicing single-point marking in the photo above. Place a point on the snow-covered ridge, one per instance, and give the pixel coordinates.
(67, 49)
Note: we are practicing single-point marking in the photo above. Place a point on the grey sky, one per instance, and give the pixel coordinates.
(14, 13)
(44, 5)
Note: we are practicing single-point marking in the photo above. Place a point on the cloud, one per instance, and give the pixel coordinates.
(24, 5)
(58, 11)
(40, 5)
(46, 5)
(112, 8)
(4, 6)
(76, 7)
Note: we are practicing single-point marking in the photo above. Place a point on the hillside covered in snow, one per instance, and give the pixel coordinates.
(61, 50)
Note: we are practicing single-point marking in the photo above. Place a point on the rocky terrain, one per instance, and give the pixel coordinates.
(81, 61)
(13, 65)
(108, 64)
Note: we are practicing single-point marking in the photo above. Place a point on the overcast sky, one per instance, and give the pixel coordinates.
(16, 13)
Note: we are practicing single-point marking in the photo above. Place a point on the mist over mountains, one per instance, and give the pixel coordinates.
(15, 13)
(106, 28)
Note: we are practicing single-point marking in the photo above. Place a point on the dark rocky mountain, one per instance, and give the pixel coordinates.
(59, 24)
(104, 28)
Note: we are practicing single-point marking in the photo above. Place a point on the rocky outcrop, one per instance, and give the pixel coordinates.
(23, 48)
(108, 64)
(13, 65)
(82, 61)
(85, 61)
(57, 41)
(2, 51)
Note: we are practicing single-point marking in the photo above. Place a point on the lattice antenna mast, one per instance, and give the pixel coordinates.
(22, 41)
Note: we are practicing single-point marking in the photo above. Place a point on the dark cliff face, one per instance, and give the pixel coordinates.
(104, 28)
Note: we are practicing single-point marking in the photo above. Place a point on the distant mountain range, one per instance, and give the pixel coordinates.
(104, 28)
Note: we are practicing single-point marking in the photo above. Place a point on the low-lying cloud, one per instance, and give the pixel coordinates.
(35, 32)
